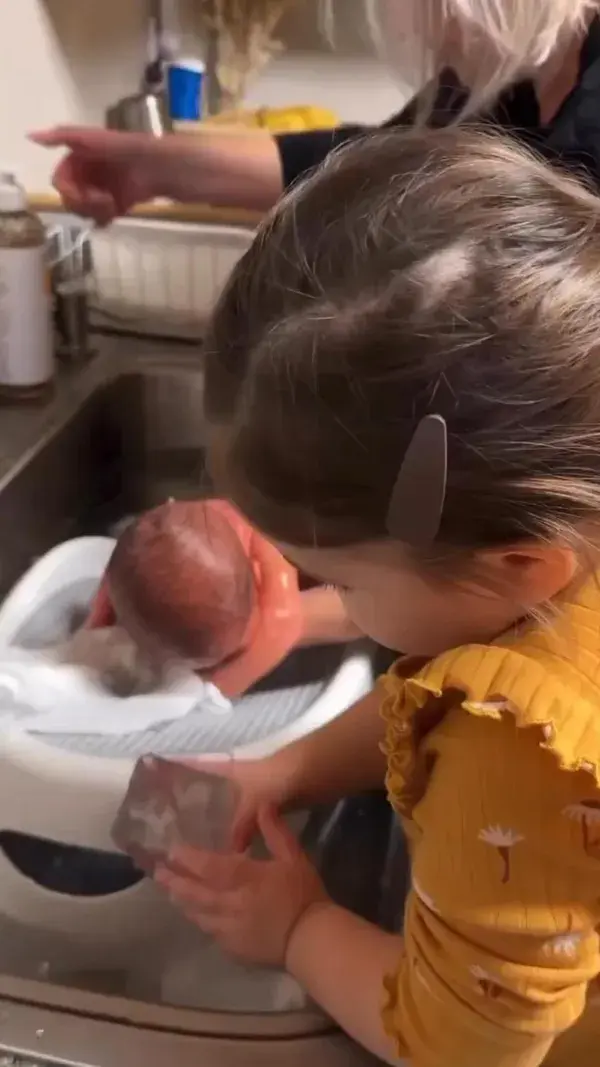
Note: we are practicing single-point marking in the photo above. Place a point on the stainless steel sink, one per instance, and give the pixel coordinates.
(132, 442)
(122, 434)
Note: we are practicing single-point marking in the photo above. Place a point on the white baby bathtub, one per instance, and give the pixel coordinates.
(65, 790)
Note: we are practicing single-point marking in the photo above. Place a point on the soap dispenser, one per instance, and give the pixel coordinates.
(26, 356)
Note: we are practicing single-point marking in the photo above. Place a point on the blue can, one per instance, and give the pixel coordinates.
(185, 83)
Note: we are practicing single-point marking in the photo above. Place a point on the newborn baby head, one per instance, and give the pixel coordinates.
(182, 586)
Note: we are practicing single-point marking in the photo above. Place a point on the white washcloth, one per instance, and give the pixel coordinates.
(40, 696)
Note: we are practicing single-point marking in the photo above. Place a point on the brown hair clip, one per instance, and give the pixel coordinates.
(417, 501)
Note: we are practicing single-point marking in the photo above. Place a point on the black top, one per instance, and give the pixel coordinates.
(573, 136)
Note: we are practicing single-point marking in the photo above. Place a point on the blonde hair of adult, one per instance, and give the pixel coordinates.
(498, 41)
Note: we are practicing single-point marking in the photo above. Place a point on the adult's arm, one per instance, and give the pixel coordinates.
(224, 169)
(301, 152)
(105, 172)
(250, 170)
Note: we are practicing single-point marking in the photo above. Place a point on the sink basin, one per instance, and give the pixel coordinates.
(131, 443)
(120, 437)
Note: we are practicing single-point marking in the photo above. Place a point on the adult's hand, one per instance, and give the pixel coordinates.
(105, 172)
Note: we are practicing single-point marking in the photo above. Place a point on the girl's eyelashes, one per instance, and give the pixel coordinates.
(337, 587)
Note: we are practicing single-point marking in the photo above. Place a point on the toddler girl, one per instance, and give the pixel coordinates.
(403, 391)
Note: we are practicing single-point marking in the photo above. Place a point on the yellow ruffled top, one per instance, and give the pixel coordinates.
(494, 767)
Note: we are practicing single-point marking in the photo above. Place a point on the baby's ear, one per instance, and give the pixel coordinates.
(101, 612)
(531, 572)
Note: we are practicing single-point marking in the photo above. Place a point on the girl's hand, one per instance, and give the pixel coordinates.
(249, 906)
(264, 783)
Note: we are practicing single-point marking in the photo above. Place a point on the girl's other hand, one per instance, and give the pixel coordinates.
(249, 906)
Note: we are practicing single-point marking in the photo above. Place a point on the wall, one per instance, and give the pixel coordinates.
(36, 85)
(65, 60)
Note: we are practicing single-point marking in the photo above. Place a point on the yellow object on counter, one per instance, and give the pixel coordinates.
(278, 120)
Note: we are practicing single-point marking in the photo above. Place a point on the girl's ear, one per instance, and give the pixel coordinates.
(531, 573)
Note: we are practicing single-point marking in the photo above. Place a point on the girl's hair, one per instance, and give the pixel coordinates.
(417, 272)
(520, 34)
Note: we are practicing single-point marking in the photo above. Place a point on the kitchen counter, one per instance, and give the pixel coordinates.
(167, 211)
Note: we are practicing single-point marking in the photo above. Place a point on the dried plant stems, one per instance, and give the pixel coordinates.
(241, 42)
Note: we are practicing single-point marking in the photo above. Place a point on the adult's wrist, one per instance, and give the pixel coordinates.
(175, 168)
(224, 169)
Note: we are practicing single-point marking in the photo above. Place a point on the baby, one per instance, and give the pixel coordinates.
(181, 589)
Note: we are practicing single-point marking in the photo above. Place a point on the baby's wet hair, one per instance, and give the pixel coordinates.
(442, 272)
(182, 585)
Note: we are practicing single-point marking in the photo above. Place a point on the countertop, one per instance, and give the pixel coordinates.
(165, 211)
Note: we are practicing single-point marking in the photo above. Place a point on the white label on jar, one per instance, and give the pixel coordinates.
(25, 317)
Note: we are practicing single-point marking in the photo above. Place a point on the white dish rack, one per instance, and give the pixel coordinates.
(154, 276)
